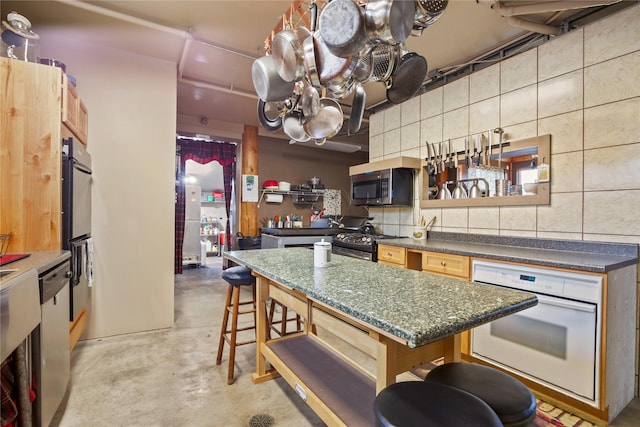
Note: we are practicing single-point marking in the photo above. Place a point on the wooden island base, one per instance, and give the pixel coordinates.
(339, 391)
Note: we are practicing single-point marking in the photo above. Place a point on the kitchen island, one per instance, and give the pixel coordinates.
(403, 318)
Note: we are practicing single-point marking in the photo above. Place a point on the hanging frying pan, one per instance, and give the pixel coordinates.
(292, 126)
(269, 116)
(389, 21)
(327, 122)
(342, 27)
(287, 53)
(357, 110)
(407, 78)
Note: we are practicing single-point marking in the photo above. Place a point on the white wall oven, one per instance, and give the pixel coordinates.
(557, 342)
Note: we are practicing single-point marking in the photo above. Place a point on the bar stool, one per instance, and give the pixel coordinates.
(509, 398)
(418, 403)
(284, 319)
(236, 277)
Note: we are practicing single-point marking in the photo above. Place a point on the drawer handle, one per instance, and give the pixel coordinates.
(442, 263)
(389, 254)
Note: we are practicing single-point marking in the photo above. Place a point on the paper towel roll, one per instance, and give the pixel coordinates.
(274, 198)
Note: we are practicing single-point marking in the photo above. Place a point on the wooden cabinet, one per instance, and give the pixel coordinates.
(74, 112)
(447, 264)
(391, 255)
(30, 153)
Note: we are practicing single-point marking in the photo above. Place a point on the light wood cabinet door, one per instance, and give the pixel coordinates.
(447, 264)
(74, 112)
(391, 255)
(30, 153)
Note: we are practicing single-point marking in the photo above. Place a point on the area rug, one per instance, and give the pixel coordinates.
(548, 415)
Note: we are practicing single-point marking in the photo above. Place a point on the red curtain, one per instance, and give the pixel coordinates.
(202, 152)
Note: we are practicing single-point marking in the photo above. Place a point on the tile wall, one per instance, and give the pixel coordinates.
(583, 88)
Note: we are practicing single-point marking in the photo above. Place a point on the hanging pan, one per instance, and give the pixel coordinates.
(389, 21)
(407, 78)
(342, 28)
(327, 122)
(287, 53)
(357, 110)
(269, 115)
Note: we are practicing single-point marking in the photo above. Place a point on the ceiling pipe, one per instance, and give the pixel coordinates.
(533, 26)
(527, 9)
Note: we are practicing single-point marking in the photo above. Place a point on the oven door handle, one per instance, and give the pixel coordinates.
(563, 303)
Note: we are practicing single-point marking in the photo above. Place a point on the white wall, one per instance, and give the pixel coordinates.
(132, 124)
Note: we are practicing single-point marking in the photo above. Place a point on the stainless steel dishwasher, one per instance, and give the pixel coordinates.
(51, 354)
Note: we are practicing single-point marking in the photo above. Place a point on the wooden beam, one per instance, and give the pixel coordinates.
(249, 210)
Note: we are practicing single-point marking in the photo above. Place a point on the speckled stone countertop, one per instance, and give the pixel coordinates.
(417, 307)
(600, 257)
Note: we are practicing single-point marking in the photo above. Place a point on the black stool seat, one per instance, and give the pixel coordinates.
(238, 276)
(418, 403)
(509, 398)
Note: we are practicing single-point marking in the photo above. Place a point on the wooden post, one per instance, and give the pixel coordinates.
(249, 210)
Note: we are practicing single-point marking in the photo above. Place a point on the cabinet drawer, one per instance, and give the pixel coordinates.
(452, 265)
(391, 255)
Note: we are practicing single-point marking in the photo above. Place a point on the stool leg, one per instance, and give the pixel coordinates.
(223, 327)
(284, 321)
(234, 330)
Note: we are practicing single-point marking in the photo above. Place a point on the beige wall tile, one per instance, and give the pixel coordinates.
(613, 36)
(566, 172)
(519, 131)
(612, 212)
(392, 118)
(560, 94)
(519, 106)
(483, 218)
(618, 238)
(456, 94)
(410, 136)
(376, 146)
(517, 218)
(430, 213)
(484, 83)
(563, 215)
(519, 71)
(561, 55)
(455, 218)
(406, 216)
(431, 103)
(413, 152)
(456, 123)
(565, 130)
(431, 129)
(612, 124)
(376, 123)
(612, 80)
(392, 142)
(483, 231)
(410, 111)
(391, 215)
(484, 115)
(612, 168)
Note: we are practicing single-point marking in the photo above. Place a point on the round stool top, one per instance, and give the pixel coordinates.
(238, 276)
(417, 403)
(511, 400)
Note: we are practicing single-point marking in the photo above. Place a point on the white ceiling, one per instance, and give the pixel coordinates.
(214, 43)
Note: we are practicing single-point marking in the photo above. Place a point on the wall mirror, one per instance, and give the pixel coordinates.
(518, 175)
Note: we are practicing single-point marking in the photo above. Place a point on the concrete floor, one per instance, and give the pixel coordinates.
(169, 377)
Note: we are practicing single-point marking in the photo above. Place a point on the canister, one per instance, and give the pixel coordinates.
(321, 253)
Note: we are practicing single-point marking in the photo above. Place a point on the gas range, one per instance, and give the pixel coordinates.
(359, 245)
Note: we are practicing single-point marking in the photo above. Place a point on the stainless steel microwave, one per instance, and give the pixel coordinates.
(383, 188)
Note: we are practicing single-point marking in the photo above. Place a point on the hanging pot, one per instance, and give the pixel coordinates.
(310, 101)
(342, 28)
(288, 54)
(427, 12)
(327, 122)
(407, 78)
(267, 82)
(335, 73)
(292, 126)
(389, 21)
(269, 116)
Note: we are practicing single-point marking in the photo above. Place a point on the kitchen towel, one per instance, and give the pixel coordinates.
(89, 263)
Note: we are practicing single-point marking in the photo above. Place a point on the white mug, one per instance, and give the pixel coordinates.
(321, 254)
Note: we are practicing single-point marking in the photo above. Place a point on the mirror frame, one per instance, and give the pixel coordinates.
(542, 196)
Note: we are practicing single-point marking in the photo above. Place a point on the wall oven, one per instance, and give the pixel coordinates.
(76, 220)
(557, 342)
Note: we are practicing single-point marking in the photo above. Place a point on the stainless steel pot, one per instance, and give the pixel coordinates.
(292, 126)
(389, 21)
(287, 53)
(335, 72)
(427, 12)
(267, 82)
(327, 122)
(342, 27)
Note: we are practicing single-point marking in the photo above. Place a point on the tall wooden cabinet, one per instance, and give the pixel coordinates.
(37, 110)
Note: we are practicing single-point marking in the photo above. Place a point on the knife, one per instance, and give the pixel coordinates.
(467, 153)
(479, 148)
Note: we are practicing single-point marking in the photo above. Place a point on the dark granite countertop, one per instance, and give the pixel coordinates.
(414, 306)
(600, 257)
